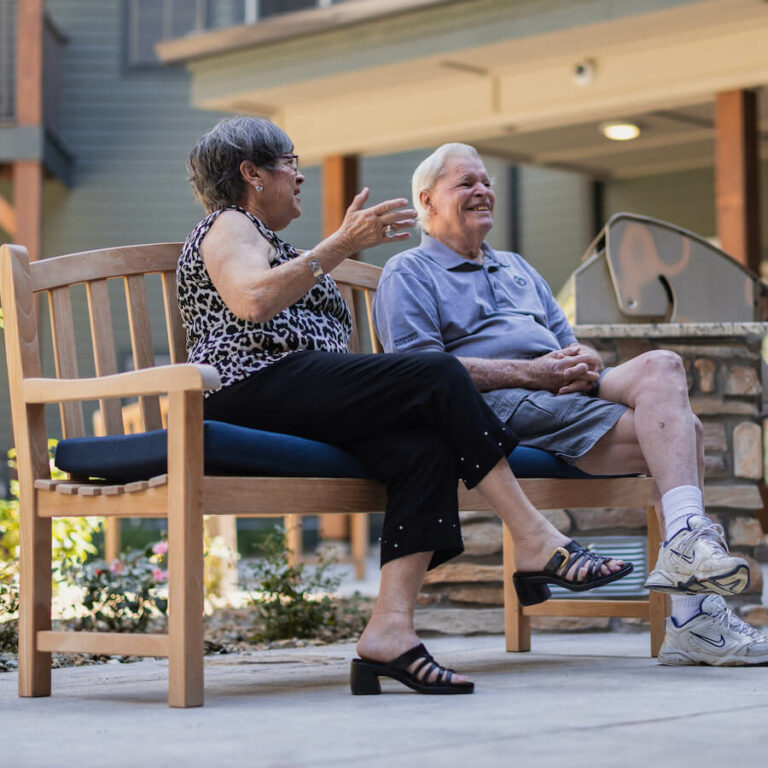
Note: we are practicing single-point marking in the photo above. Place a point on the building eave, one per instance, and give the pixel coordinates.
(276, 29)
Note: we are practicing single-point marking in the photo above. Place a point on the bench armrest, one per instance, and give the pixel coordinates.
(162, 379)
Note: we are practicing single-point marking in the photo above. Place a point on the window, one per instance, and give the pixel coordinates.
(261, 9)
(150, 21)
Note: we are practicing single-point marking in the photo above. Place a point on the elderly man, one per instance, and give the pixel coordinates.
(494, 312)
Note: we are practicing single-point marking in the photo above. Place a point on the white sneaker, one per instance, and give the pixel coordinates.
(696, 560)
(716, 636)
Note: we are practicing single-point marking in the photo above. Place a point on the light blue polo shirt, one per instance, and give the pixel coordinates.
(431, 298)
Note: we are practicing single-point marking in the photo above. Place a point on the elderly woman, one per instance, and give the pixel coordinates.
(273, 323)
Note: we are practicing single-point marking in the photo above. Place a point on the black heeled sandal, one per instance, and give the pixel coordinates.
(364, 674)
(531, 586)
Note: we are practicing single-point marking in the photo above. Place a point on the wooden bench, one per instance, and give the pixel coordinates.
(184, 493)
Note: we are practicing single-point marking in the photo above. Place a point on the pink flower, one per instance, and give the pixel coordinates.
(161, 548)
(158, 574)
(117, 567)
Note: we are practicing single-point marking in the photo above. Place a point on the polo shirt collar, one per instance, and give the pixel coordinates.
(448, 258)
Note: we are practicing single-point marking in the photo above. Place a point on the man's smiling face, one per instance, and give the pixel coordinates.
(460, 205)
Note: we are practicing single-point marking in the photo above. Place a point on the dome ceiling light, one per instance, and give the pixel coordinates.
(620, 131)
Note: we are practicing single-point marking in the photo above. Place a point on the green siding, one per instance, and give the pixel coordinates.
(686, 198)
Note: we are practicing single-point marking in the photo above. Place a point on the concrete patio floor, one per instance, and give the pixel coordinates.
(576, 700)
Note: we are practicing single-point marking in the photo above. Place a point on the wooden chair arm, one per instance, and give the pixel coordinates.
(159, 380)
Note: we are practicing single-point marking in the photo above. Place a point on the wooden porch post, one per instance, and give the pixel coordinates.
(28, 174)
(340, 179)
(737, 176)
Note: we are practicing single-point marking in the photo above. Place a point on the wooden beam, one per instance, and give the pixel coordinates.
(340, 179)
(29, 62)
(28, 174)
(28, 201)
(737, 176)
(7, 218)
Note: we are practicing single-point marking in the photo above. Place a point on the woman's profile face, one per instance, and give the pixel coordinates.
(280, 200)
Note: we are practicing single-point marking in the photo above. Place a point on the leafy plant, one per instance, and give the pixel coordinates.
(9, 606)
(125, 595)
(72, 545)
(292, 600)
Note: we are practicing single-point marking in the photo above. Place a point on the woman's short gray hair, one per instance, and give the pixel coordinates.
(214, 162)
(431, 169)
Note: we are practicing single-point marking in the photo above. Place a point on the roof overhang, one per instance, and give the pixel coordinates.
(370, 77)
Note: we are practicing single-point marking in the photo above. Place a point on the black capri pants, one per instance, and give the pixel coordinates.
(416, 422)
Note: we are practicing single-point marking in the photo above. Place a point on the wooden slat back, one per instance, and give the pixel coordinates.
(177, 344)
(65, 357)
(358, 278)
(141, 343)
(105, 263)
(104, 354)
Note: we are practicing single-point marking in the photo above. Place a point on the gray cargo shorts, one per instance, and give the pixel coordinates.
(566, 425)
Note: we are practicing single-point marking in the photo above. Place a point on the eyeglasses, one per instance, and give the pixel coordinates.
(293, 161)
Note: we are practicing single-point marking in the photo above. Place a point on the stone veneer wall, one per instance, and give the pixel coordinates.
(723, 364)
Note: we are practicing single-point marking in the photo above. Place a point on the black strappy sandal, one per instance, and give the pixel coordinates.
(364, 674)
(531, 586)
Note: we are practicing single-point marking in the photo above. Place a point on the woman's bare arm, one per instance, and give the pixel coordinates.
(237, 256)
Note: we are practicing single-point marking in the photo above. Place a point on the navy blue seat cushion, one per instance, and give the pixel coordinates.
(233, 450)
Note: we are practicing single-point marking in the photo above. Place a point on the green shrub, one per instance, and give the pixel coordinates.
(72, 542)
(292, 600)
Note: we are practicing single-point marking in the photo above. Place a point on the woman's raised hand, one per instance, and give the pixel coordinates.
(365, 227)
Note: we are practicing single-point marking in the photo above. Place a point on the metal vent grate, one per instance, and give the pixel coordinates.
(633, 549)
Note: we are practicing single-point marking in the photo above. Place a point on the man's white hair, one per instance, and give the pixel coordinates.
(431, 169)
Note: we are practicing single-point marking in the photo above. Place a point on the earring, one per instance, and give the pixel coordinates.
(259, 188)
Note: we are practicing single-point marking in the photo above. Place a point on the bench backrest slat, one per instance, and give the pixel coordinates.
(65, 357)
(177, 338)
(104, 353)
(141, 343)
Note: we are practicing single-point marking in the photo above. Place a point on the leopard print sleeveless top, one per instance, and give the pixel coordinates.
(237, 348)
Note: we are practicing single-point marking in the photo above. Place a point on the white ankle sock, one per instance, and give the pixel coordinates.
(677, 504)
(685, 607)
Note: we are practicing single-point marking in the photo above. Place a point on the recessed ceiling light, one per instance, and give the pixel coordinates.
(619, 131)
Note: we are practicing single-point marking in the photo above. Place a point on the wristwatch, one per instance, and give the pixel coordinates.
(317, 271)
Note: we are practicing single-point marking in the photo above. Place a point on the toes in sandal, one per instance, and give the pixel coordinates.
(531, 586)
(364, 674)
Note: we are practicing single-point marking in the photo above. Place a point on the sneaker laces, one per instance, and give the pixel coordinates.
(725, 616)
(712, 531)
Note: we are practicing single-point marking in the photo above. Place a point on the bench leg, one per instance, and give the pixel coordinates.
(517, 627)
(293, 543)
(111, 538)
(657, 601)
(185, 549)
(34, 598)
(359, 543)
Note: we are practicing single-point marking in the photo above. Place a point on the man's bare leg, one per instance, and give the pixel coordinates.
(669, 437)
(666, 431)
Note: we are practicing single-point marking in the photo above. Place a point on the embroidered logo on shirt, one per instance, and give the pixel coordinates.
(521, 281)
(398, 342)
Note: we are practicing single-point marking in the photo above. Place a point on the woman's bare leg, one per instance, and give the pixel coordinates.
(390, 631)
(535, 537)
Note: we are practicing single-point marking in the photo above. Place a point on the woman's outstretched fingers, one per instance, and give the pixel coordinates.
(359, 200)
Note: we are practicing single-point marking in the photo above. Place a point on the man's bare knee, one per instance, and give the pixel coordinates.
(662, 374)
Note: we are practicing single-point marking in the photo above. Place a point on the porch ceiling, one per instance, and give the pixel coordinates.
(498, 74)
